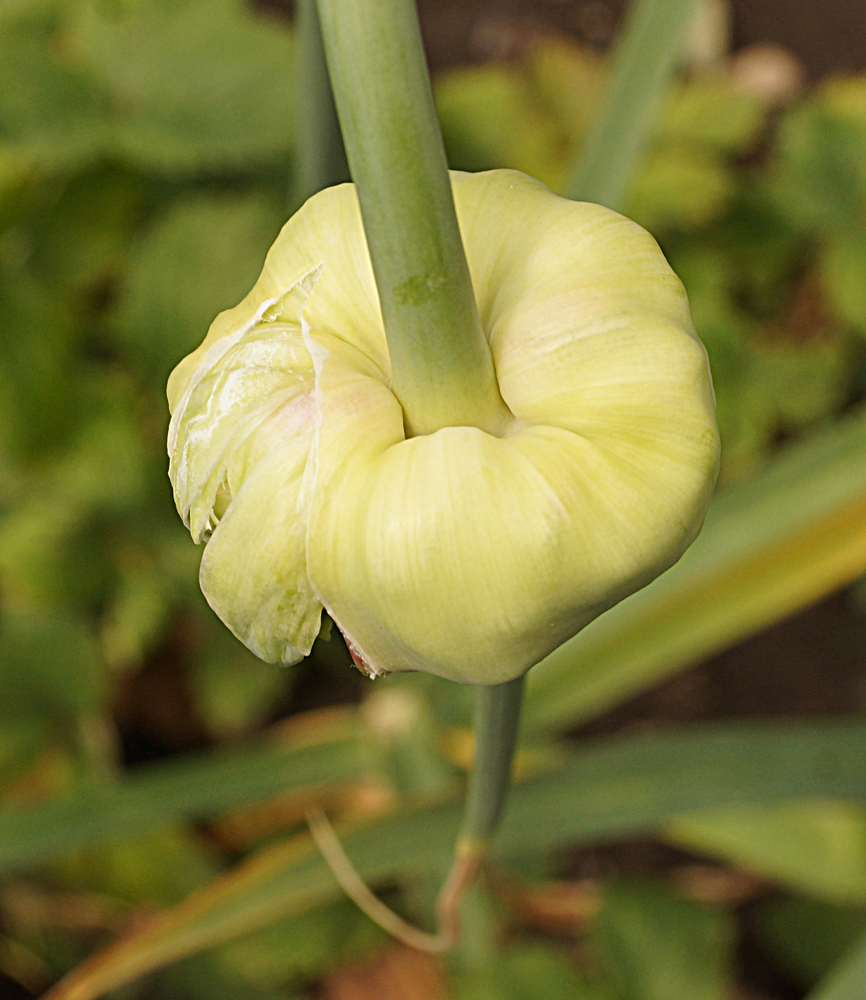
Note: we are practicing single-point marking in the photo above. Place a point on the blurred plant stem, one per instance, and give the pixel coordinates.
(650, 41)
(441, 367)
(321, 158)
(98, 749)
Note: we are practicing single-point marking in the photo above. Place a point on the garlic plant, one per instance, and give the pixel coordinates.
(463, 415)
(466, 552)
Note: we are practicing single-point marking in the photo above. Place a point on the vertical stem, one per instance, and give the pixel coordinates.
(97, 750)
(441, 366)
(321, 158)
(650, 42)
(497, 718)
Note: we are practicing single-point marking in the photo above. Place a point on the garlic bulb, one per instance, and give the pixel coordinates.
(460, 552)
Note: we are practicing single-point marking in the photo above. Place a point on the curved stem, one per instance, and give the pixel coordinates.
(359, 892)
(441, 367)
(497, 720)
(321, 157)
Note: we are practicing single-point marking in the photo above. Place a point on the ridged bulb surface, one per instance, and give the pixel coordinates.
(460, 553)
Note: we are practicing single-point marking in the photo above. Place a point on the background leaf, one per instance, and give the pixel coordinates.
(202, 255)
(51, 105)
(530, 972)
(817, 847)
(50, 667)
(806, 937)
(200, 85)
(847, 981)
(767, 548)
(657, 947)
(167, 793)
(608, 791)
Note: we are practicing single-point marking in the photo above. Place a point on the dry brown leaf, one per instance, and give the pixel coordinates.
(399, 973)
(719, 886)
(559, 908)
(30, 908)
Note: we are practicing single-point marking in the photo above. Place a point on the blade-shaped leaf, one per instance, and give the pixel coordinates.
(605, 791)
(534, 971)
(848, 981)
(792, 534)
(161, 794)
(805, 939)
(813, 847)
(645, 58)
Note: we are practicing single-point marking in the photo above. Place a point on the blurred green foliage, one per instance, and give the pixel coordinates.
(145, 165)
(655, 946)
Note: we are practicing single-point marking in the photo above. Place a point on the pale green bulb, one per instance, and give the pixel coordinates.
(464, 554)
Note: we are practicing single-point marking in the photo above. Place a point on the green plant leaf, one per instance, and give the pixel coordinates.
(654, 946)
(138, 614)
(489, 119)
(301, 947)
(20, 742)
(51, 106)
(181, 790)
(49, 546)
(843, 264)
(848, 980)
(526, 972)
(157, 869)
(711, 111)
(567, 81)
(18, 176)
(80, 238)
(679, 187)
(606, 791)
(806, 937)
(198, 84)
(820, 178)
(49, 667)
(37, 364)
(787, 537)
(204, 977)
(815, 847)
(233, 688)
(200, 256)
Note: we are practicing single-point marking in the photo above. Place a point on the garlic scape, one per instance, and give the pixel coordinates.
(466, 552)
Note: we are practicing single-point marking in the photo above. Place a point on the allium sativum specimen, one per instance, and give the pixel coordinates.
(459, 552)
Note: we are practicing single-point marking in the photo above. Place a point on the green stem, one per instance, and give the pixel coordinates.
(651, 40)
(441, 367)
(321, 159)
(497, 717)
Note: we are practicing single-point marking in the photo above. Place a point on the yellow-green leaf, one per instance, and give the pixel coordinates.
(785, 539)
